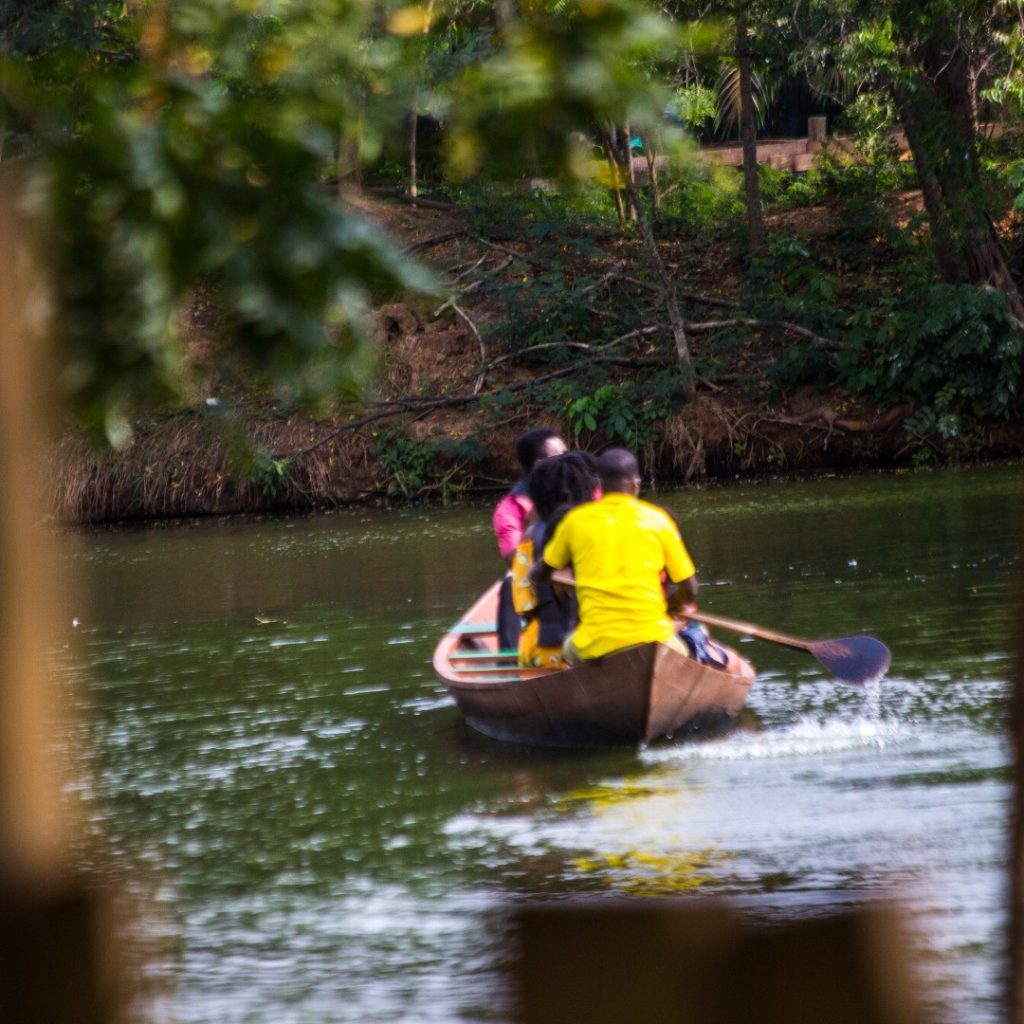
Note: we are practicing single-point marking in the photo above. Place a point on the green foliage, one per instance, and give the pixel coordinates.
(955, 349)
(727, 112)
(170, 145)
(625, 412)
(430, 468)
(560, 70)
(1015, 179)
(182, 143)
(861, 187)
(159, 175)
(774, 183)
(574, 215)
(871, 117)
(270, 475)
(700, 199)
(693, 105)
(803, 364)
(1005, 90)
(792, 281)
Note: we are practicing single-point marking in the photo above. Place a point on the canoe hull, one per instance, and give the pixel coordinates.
(630, 697)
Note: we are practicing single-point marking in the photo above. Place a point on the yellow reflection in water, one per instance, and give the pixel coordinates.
(652, 874)
(645, 871)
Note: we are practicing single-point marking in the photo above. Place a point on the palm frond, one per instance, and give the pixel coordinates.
(727, 89)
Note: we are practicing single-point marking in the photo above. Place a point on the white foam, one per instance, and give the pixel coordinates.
(808, 735)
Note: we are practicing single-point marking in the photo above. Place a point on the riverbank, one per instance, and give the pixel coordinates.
(551, 328)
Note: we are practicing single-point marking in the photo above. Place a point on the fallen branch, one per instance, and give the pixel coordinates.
(578, 345)
(327, 438)
(469, 289)
(398, 193)
(708, 300)
(511, 252)
(640, 284)
(470, 269)
(604, 279)
(425, 405)
(803, 332)
(480, 341)
(433, 240)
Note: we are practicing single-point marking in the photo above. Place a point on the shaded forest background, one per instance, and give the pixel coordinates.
(308, 252)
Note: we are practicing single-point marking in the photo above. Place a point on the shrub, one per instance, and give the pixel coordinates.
(952, 348)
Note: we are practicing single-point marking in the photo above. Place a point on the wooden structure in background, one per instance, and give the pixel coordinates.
(795, 155)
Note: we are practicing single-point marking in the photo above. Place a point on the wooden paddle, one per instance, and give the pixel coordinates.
(853, 659)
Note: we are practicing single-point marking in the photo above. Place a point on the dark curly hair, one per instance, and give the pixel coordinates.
(530, 444)
(557, 484)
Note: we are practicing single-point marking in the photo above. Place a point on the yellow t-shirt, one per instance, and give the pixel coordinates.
(618, 547)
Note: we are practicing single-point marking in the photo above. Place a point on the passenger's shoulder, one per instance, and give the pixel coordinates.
(655, 511)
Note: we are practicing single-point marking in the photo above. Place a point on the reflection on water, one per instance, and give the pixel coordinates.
(269, 742)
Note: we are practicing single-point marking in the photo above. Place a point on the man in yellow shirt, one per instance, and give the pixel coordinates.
(618, 547)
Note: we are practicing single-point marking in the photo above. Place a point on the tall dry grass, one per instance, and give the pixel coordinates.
(182, 467)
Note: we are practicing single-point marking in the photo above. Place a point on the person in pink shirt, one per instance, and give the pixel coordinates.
(510, 520)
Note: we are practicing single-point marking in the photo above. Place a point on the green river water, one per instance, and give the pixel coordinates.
(319, 838)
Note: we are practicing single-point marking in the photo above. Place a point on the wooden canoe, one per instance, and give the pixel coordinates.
(630, 697)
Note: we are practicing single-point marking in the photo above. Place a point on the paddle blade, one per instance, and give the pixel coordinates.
(854, 659)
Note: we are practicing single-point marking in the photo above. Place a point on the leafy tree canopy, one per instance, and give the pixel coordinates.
(165, 144)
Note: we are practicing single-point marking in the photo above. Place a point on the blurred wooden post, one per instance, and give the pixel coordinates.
(1015, 925)
(655, 962)
(817, 134)
(53, 967)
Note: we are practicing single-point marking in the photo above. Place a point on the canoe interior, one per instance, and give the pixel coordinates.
(631, 697)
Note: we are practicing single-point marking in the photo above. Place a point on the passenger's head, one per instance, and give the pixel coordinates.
(562, 481)
(539, 443)
(619, 471)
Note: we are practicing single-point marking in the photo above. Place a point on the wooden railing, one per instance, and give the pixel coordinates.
(796, 154)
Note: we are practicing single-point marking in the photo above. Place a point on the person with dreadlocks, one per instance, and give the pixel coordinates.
(555, 485)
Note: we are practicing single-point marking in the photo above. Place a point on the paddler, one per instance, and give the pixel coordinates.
(618, 548)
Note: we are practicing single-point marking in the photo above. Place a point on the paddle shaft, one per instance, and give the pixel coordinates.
(567, 579)
(855, 659)
(749, 629)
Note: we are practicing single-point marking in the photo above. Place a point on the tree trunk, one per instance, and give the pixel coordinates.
(627, 167)
(611, 152)
(414, 115)
(350, 146)
(413, 123)
(667, 285)
(349, 165)
(748, 135)
(650, 153)
(938, 117)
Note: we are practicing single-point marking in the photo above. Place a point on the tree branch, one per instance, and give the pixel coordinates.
(578, 345)
(511, 252)
(433, 240)
(714, 325)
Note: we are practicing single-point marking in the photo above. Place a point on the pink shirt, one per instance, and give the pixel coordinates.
(509, 519)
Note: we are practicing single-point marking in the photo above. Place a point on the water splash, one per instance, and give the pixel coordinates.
(806, 737)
